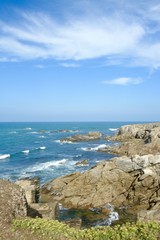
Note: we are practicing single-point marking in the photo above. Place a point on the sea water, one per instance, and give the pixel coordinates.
(34, 149)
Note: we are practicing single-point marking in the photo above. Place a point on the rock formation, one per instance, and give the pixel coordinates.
(31, 188)
(82, 163)
(36, 208)
(138, 139)
(123, 182)
(83, 137)
(13, 202)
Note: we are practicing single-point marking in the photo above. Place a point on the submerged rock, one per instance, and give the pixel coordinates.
(83, 163)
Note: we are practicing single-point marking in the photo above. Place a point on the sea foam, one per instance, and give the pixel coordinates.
(47, 165)
(4, 156)
(113, 129)
(94, 148)
(26, 151)
(42, 148)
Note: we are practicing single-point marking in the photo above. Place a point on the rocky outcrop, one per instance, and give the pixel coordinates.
(13, 202)
(124, 181)
(140, 131)
(82, 163)
(138, 139)
(36, 208)
(82, 137)
(31, 188)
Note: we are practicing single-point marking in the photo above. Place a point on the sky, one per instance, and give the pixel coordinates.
(79, 60)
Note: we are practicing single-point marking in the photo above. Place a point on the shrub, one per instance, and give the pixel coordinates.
(55, 230)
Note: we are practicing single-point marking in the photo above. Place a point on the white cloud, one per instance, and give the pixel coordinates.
(126, 36)
(6, 59)
(124, 81)
(41, 37)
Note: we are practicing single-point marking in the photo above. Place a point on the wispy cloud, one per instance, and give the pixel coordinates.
(69, 65)
(108, 35)
(6, 59)
(124, 81)
(40, 36)
(39, 66)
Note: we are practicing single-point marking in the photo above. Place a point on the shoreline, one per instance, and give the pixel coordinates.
(77, 190)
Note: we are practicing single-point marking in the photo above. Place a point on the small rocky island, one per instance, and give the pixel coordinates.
(130, 181)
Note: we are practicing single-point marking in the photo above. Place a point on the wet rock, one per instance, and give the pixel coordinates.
(41, 131)
(82, 163)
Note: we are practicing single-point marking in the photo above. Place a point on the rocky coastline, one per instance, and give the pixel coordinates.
(131, 181)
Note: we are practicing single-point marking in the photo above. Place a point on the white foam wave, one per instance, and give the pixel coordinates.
(29, 128)
(64, 142)
(47, 165)
(4, 156)
(12, 132)
(94, 148)
(42, 148)
(68, 142)
(113, 216)
(113, 129)
(42, 137)
(26, 151)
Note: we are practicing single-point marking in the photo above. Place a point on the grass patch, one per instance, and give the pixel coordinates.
(55, 230)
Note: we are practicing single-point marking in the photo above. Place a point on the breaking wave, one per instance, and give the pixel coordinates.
(94, 148)
(26, 151)
(47, 165)
(4, 156)
(113, 129)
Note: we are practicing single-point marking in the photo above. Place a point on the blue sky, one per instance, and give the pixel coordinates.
(84, 60)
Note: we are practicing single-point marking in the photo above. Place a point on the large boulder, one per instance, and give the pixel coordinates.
(124, 181)
(13, 202)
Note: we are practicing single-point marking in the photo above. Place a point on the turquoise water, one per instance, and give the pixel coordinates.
(34, 149)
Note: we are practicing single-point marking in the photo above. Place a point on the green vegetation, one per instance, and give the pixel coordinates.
(55, 230)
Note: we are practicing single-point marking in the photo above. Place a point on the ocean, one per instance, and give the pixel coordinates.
(34, 149)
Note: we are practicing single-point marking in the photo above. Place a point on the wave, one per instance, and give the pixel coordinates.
(113, 129)
(94, 148)
(68, 142)
(47, 165)
(26, 151)
(29, 128)
(4, 156)
(64, 142)
(42, 137)
(113, 216)
(42, 148)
